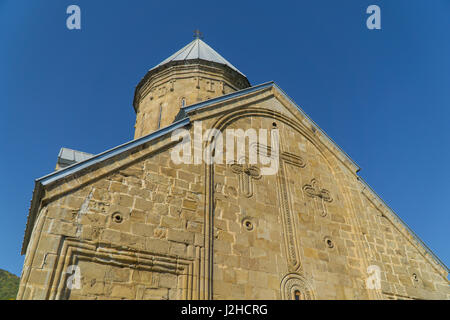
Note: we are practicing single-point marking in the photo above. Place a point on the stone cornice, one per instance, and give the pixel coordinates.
(231, 76)
(404, 229)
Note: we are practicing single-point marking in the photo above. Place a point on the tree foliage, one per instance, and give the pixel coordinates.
(9, 285)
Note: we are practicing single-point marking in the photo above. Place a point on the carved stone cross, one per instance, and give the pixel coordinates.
(246, 174)
(313, 190)
(288, 219)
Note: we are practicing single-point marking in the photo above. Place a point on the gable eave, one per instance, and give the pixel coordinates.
(395, 219)
(56, 176)
(189, 110)
(63, 173)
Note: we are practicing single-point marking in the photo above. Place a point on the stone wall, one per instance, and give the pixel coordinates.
(140, 227)
(161, 96)
(135, 233)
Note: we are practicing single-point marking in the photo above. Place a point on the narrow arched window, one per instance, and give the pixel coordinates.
(297, 295)
(183, 102)
(160, 113)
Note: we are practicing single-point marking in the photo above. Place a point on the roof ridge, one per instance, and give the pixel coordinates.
(190, 50)
(203, 52)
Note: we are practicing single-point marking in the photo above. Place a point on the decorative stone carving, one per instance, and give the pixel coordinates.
(288, 222)
(314, 191)
(248, 224)
(140, 263)
(293, 159)
(246, 174)
(294, 286)
(117, 217)
(286, 212)
(328, 242)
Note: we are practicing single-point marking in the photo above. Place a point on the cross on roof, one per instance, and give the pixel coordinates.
(198, 34)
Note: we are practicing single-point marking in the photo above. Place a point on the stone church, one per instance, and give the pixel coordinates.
(131, 223)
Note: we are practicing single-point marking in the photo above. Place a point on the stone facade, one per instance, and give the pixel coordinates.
(163, 91)
(139, 226)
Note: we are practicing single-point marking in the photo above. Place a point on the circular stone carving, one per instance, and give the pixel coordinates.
(247, 224)
(329, 242)
(295, 286)
(117, 217)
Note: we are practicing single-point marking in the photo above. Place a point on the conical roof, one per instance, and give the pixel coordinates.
(198, 49)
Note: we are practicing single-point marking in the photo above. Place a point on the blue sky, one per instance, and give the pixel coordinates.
(382, 95)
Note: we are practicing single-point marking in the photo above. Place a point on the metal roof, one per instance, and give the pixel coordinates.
(198, 49)
(54, 176)
(67, 157)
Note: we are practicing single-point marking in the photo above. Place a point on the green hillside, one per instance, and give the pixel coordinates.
(9, 285)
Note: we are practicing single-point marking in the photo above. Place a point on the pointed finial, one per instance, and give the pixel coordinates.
(198, 34)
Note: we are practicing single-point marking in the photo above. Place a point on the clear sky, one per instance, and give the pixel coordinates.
(382, 95)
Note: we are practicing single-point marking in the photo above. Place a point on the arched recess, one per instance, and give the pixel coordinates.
(221, 124)
(294, 286)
